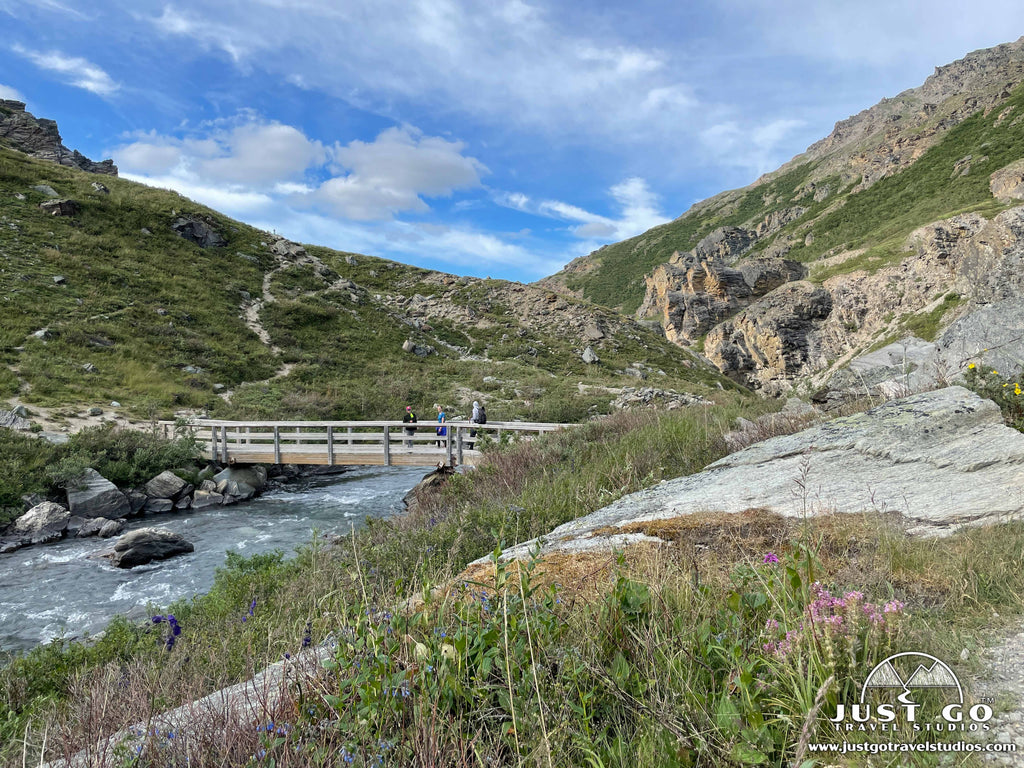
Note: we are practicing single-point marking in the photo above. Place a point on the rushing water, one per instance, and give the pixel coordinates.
(55, 589)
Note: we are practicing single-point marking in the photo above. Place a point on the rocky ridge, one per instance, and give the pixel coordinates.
(40, 138)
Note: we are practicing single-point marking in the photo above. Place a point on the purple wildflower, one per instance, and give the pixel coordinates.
(771, 557)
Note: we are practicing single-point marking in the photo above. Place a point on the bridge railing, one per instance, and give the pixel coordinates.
(350, 442)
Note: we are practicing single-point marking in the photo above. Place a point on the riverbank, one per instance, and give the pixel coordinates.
(657, 657)
(68, 590)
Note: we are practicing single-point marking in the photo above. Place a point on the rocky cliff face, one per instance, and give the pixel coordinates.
(40, 138)
(901, 219)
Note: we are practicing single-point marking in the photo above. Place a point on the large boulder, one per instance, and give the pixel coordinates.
(148, 544)
(243, 482)
(45, 518)
(166, 485)
(96, 496)
(939, 460)
(14, 420)
(197, 231)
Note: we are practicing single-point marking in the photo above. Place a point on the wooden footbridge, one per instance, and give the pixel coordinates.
(377, 443)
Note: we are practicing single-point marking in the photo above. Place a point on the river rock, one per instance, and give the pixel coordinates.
(111, 528)
(158, 506)
(166, 485)
(136, 501)
(939, 459)
(48, 516)
(248, 481)
(85, 527)
(148, 544)
(427, 484)
(97, 497)
(201, 499)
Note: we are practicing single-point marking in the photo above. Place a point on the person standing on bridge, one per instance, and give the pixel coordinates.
(409, 418)
(479, 416)
(442, 430)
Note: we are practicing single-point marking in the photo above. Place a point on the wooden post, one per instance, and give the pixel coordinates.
(459, 445)
(224, 444)
(350, 435)
(387, 446)
(448, 444)
(277, 444)
(248, 431)
(330, 446)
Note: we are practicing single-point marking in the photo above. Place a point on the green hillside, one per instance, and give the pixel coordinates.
(111, 304)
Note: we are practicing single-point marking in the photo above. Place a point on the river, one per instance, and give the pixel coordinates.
(59, 589)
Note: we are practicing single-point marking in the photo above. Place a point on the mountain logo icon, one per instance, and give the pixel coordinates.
(919, 670)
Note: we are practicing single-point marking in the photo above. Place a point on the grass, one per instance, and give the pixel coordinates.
(155, 322)
(662, 656)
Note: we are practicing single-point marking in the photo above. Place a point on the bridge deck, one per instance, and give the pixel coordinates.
(330, 443)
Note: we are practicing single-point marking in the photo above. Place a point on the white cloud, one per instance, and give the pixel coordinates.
(254, 154)
(77, 71)
(238, 203)
(506, 62)
(6, 92)
(259, 154)
(757, 148)
(390, 174)
(638, 205)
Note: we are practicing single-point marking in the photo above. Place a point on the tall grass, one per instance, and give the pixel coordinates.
(702, 651)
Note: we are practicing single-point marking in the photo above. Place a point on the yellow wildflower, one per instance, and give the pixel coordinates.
(970, 366)
(995, 373)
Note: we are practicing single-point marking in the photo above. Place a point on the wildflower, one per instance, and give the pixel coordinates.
(771, 557)
(771, 625)
(971, 366)
(995, 373)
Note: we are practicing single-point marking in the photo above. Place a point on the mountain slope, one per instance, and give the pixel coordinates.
(140, 296)
(872, 234)
(804, 196)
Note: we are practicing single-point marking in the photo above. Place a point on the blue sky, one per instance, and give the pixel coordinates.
(499, 138)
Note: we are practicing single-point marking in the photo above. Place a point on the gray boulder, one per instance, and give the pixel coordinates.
(939, 460)
(202, 499)
(88, 527)
(13, 420)
(60, 207)
(589, 356)
(111, 528)
(44, 517)
(146, 545)
(249, 480)
(97, 497)
(197, 231)
(166, 485)
(158, 505)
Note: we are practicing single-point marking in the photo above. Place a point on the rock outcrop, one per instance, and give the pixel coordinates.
(771, 341)
(696, 290)
(939, 460)
(40, 138)
(198, 231)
